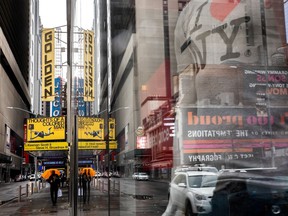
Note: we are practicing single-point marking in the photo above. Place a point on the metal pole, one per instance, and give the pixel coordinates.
(35, 173)
(109, 90)
(97, 164)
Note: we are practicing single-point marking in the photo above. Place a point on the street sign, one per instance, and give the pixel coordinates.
(46, 146)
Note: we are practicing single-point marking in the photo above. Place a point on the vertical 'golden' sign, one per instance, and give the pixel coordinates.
(88, 65)
(48, 65)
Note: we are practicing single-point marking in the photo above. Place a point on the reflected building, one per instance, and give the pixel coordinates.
(232, 72)
(201, 86)
(142, 61)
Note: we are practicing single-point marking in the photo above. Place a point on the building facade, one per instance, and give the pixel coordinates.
(14, 73)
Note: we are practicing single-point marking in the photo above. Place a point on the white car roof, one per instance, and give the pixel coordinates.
(197, 173)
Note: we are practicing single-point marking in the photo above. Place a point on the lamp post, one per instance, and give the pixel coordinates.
(35, 189)
(20, 109)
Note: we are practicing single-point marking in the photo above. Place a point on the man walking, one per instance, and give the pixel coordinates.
(54, 182)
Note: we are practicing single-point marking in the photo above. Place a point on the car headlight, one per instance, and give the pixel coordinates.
(200, 197)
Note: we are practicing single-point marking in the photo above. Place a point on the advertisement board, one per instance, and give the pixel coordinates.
(210, 132)
(89, 66)
(46, 129)
(48, 64)
(112, 133)
(90, 128)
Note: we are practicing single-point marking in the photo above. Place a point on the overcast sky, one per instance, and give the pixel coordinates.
(53, 13)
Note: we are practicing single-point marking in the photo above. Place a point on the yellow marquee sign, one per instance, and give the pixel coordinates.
(89, 66)
(46, 129)
(48, 64)
(46, 146)
(112, 134)
(100, 145)
(90, 128)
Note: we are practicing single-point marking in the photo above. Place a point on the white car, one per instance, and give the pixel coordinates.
(142, 176)
(135, 175)
(191, 192)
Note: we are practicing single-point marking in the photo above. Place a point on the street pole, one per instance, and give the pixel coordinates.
(35, 189)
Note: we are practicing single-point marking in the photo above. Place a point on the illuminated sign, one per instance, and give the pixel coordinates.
(90, 128)
(46, 146)
(96, 145)
(88, 66)
(142, 142)
(46, 129)
(46, 163)
(48, 65)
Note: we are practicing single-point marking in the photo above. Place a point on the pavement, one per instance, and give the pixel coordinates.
(39, 203)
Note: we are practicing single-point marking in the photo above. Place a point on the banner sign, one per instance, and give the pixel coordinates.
(90, 128)
(112, 134)
(89, 66)
(56, 104)
(263, 83)
(48, 65)
(47, 163)
(46, 129)
(212, 157)
(96, 145)
(208, 130)
(81, 103)
(46, 146)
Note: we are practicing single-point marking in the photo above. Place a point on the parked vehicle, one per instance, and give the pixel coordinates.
(32, 177)
(19, 178)
(135, 175)
(98, 175)
(191, 192)
(257, 192)
(142, 176)
(115, 175)
(196, 168)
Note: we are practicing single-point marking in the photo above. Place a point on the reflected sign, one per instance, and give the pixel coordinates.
(96, 145)
(90, 128)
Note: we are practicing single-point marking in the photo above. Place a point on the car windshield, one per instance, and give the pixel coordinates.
(200, 181)
(142, 173)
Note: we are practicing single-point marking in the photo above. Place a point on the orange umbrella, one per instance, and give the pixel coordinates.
(88, 170)
(48, 173)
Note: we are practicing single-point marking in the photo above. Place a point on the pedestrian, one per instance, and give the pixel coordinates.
(88, 185)
(54, 182)
(85, 182)
(63, 179)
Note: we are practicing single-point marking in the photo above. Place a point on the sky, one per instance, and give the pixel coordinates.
(53, 13)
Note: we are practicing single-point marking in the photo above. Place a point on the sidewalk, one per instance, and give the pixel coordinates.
(40, 204)
(121, 203)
